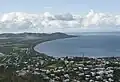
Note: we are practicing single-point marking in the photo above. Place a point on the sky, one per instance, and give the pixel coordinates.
(59, 15)
(59, 6)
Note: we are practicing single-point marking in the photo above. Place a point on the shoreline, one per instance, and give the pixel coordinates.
(38, 43)
(28, 41)
(38, 51)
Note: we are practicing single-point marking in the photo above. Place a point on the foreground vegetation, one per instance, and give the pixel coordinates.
(20, 63)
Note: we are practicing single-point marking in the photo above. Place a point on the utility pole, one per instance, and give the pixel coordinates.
(83, 57)
(83, 60)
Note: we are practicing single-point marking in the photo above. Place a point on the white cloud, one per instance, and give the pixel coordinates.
(46, 22)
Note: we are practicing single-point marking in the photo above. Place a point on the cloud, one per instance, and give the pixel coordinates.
(46, 22)
(64, 17)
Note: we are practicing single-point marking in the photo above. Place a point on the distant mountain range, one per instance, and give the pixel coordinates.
(34, 35)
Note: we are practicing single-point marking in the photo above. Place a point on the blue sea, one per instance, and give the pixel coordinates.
(90, 45)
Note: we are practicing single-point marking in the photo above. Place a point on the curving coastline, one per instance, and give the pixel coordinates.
(35, 46)
(11, 41)
(91, 46)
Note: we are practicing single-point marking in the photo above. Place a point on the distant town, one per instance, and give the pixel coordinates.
(19, 62)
